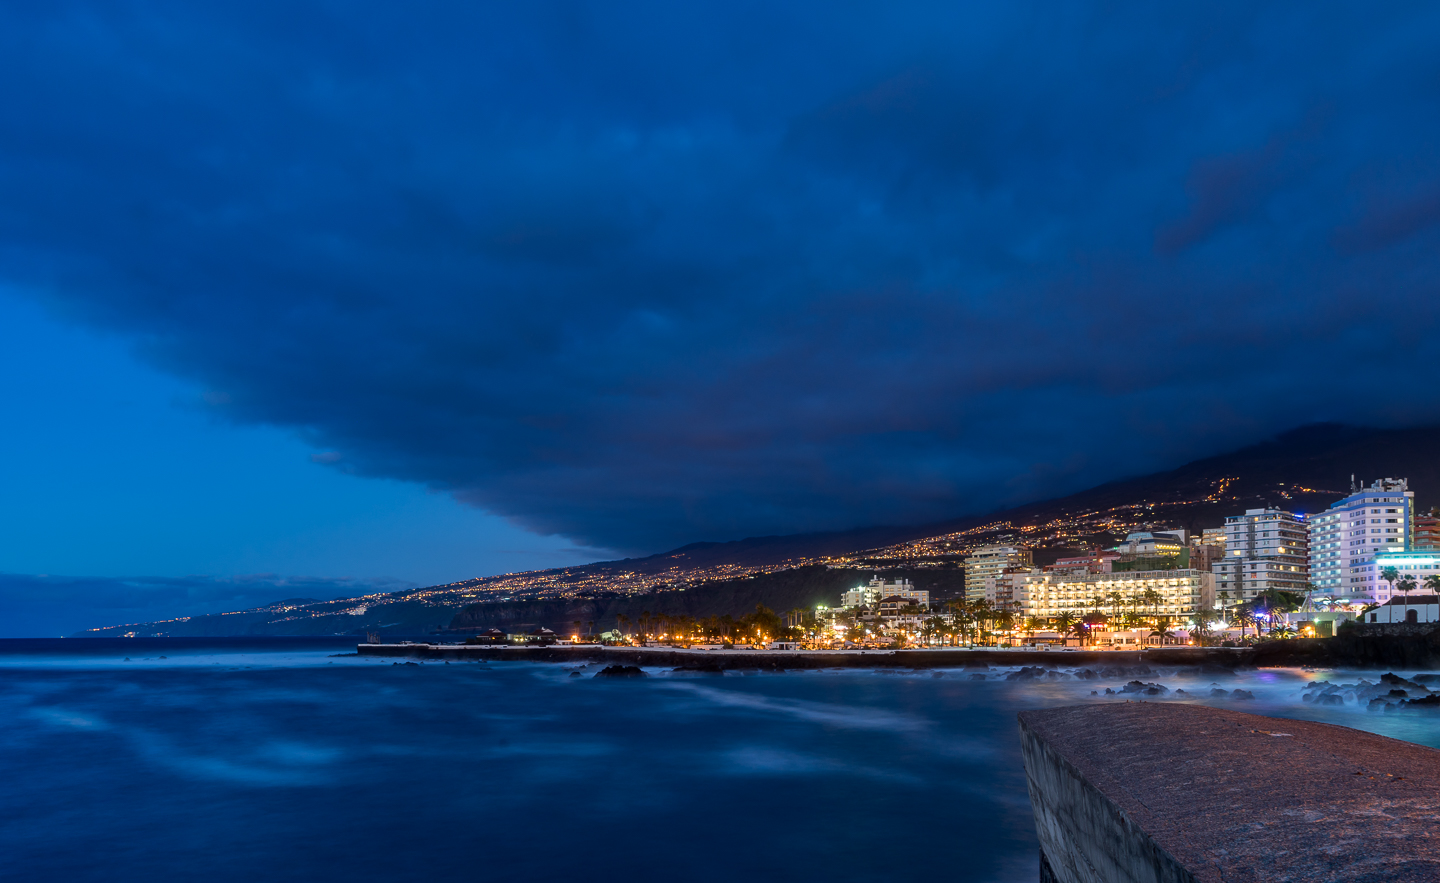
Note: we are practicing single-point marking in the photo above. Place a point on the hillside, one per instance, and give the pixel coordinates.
(1303, 470)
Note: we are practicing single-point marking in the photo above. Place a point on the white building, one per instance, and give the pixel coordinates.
(1345, 538)
(1182, 592)
(879, 589)
(1415, 565)
(1417, 608)
(1264, 549)
(987, 562)
(1000, 588)
(1153, 543)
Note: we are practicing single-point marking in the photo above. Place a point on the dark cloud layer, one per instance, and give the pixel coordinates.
(649, 275)
(56, 606)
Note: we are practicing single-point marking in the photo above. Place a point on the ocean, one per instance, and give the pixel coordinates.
(294, 759)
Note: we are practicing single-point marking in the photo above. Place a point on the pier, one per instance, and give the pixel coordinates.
(1166, 793)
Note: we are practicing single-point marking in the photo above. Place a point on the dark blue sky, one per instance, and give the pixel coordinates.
(621, 278)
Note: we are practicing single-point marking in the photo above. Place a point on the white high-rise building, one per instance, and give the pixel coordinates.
(1345, 538)
(1264, 549)
(987, 562)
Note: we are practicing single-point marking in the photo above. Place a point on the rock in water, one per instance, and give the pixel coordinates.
(620, 671)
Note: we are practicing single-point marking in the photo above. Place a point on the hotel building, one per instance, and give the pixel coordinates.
(988, 562)
(1264, 549)
(1345, 538)
(1416, 564)
(1182, 592)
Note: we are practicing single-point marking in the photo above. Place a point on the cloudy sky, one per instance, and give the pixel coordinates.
(427, 291)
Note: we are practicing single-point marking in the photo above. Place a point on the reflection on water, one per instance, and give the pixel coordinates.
(242, 763)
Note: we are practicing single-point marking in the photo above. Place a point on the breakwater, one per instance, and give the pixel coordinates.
(1144, 793)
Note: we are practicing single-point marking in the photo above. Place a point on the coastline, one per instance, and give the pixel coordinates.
(776, 660)
(1361, 647)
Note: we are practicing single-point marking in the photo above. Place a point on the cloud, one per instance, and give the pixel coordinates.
(647, 276)
(52, 606)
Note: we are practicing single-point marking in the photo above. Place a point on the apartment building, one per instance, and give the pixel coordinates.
(879, 589)
(986, 562)
(1425, 531)
(1264, 549)
(1345, 538)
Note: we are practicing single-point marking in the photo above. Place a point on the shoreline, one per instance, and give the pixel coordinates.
(677, 657)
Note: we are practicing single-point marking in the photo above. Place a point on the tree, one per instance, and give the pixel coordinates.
(1276, 601)
(1244, 616)
(1390, 574)
(1065, 622)
(1153, 598)
(1201, 632)
(1162, 629)
(1432, 583)
(1033, 624)
(1094, 619)
(1116, 599)
(1406, 585)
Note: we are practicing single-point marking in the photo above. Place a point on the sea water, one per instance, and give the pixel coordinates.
(297, 760)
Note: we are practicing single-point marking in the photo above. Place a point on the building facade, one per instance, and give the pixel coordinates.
(1182, 592)
(880, 589)
(1345, 538)
(1264, 549)
(1416, 565)
(987, 562)
(1425, 531)
(1000, 588)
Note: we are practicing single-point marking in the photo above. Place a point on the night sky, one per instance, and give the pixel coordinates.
(419, 292)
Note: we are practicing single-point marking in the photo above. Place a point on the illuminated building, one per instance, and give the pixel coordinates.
(1345, 538)
(987, 562)
(1000, 588)
(1264, 549)
(1415, 564)
(1425, 530)
(878, 589)
(1181, 592)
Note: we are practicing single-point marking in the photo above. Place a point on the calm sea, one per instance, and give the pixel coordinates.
(279, 760)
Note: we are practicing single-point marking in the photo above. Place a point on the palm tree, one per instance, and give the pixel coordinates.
(1153, 598)
(1162, 630)
(1064, 622)
(623, 621)
(1201, 632)
(1432, 583)
(1406, 585)
(1033, 624)
(1244, 616)
(1116, 599)
(1095, 619)
(1390, 574)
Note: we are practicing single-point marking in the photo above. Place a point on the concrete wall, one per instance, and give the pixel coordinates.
(1084, 837)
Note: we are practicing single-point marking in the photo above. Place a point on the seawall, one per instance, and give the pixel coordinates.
(1165, 793)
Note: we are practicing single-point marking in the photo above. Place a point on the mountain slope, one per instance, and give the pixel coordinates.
(1302, 470)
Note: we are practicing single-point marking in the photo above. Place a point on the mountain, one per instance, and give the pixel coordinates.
(1303, 470)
